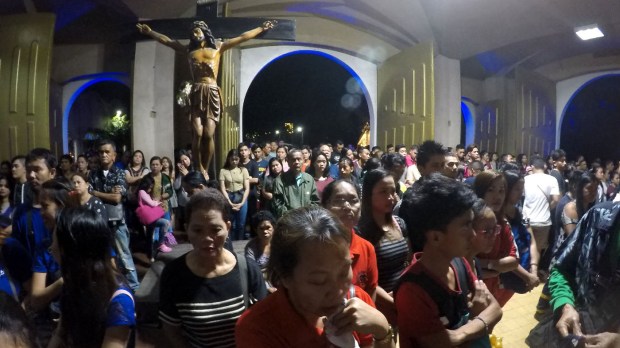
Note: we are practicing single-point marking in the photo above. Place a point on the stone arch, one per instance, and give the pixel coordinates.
(567, 89)
(590, 117)
(72, 90)
(254, 60)
(468, 112)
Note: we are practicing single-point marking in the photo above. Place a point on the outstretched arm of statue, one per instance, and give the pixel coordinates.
(248, 35)
(146, 30)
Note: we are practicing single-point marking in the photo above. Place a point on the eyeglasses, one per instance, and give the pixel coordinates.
(342, 202)
(490, 232)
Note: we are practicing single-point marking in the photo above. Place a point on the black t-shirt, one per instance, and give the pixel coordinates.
(252, 168)
(560, 178)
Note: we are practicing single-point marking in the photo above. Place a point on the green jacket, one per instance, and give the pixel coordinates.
(287, 195)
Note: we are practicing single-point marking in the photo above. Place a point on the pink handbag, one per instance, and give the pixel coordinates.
(147, 214)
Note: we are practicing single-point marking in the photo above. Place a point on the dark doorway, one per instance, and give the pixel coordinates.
(93, 112)
(311, 90)
(592, 119)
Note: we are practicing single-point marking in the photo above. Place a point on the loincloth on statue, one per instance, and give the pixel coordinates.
(207, 98)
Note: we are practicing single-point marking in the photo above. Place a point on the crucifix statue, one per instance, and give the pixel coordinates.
(204, 95)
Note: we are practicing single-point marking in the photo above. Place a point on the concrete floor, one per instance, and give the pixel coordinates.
(518, 319)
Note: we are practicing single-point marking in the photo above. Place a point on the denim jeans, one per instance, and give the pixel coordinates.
(238, 222)
(169, 218)
(158, 230)
(123, 256)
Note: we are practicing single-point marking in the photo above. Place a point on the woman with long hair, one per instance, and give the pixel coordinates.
(319, 169)
(55, 195)
(503, 257)
(527, 271)
(485, 226)
(235, 185)
(162, 192)
(97, 308)
(145, 189)
(167, 167)
(306, 154)
(134, 172)
(281, 154)
(386, 232)
(182, 168)
(6, 205)
(266, 189)
(202, 293)
(263, 225)
(585, 197)
(80, 189)
(316, 304)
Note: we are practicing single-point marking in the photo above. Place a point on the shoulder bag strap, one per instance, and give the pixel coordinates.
(461, 274)
(243, 272)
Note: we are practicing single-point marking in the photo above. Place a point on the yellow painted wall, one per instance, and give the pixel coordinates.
(489, 126)
(521, 119)
(406, 106)
(25, 60)
(228, 130)
(534, 122)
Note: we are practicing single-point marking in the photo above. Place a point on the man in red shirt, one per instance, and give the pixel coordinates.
(432, 302)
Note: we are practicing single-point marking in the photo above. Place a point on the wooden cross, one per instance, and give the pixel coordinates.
(224, 28)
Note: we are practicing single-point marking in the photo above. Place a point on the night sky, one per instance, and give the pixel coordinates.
(310, 91)
(592, 121)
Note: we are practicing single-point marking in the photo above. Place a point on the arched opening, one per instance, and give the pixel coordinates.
(100, 108)
(591, 120)
(308, 89)
(468, 129)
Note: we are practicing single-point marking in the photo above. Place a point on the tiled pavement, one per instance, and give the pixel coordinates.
(518, 319)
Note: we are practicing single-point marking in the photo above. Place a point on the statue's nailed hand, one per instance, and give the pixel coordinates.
(143, 28)
(269, 25)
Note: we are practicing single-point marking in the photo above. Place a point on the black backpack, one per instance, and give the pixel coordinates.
(452, 307)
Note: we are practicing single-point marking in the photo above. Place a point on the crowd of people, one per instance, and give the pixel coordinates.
(419, 246)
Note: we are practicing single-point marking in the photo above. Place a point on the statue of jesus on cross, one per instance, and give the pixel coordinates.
(205, 98)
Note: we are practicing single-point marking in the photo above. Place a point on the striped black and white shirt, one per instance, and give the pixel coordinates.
(207, 309)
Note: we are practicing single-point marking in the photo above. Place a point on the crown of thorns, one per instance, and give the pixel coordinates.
(201, 25)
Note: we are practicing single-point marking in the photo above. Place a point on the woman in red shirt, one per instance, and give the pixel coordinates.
(503, 257)
(316, 304)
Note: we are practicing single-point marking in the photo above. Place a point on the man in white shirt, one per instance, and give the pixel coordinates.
(542, 194)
